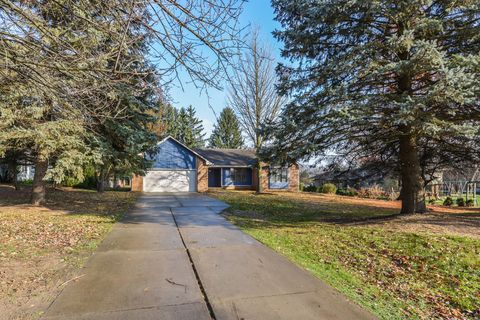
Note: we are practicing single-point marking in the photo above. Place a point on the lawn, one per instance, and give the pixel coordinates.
(398, 267)
(43, 248)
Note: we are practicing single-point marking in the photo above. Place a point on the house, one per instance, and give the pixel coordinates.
(25, 172)
(177, 168)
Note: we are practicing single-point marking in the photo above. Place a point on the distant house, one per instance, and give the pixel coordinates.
(177, 168)
(25, 172)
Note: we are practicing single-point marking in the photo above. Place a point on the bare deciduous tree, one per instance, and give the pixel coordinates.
(72, 72)
(252, 93)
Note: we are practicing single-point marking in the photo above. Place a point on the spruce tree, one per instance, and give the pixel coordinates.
(73, 97)
(189, 128)
(373, 78)
(75, 83)
(165, 123)
(226, 132)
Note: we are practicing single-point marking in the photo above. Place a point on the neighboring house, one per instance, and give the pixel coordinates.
(25, 172)
(177, 168)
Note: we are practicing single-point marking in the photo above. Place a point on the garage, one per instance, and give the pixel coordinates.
(173, 168)
(170, 181)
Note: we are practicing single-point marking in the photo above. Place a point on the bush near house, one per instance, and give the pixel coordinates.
(448, 202)
(350, 192)
(329, 188)
(310, 188)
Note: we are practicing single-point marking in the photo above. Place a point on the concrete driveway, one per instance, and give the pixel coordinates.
(175, 257)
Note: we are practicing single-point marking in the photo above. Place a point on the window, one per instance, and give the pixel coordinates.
(278, 178)
(279, 175)
(240, 176)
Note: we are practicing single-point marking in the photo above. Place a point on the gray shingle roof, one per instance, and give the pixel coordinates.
(228, 157)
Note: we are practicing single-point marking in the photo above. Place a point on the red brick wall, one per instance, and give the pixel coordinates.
(202, 175)
(137, 183)
(293, 179)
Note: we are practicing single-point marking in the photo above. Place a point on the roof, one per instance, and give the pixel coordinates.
(183, 145)
(229, 157)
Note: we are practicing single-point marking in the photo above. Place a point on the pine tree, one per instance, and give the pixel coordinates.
(77, 94)
(75, 83)
(226, 132)
(166, 121)
(189, 128)
(373, 78)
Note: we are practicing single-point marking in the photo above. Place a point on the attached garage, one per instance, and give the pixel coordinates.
(170, 181)
(174, 168)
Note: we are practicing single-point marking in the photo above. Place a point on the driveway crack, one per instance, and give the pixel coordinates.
(195, 271)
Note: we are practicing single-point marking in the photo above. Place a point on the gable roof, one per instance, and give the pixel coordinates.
(229, 157)
(189, 149)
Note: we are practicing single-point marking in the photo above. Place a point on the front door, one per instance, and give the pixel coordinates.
(214, 178)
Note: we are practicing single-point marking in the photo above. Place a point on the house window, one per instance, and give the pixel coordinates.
(240, 176)
(278, 178)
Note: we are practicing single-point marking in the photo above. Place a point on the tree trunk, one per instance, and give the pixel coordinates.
(39, 184)
(13, 174)
(101, 185)
(101, 180)
(259, 175)
(413, 197)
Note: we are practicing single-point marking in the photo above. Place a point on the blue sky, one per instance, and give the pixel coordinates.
(256, 12)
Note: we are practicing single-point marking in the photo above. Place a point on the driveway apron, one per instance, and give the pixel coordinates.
(175, 257)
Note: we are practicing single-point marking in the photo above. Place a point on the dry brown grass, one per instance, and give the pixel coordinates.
(42, 247)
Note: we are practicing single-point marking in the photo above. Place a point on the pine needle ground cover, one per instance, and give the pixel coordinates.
(42, 248)
(398, 267)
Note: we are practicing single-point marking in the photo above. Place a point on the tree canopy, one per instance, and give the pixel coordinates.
(190, 128)
(79, 79)
(252, 93)
(391, 79)
(226, 132)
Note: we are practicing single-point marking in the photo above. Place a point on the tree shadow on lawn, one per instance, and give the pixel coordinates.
(298, 211)
(67, 200)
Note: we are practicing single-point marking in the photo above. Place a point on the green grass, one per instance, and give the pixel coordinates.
(439, 201)
(394, 274)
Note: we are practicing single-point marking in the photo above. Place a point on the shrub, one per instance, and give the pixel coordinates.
(350, 192)
(470, 203)
(329, 188)
(393, 195)
(70, 182)
(310, 188)
(431, 201)
(301, 187)
(461, 202)
(27, 182)
(448, 201)
(373, 192)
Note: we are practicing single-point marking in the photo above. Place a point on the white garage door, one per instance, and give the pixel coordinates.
(170, 181)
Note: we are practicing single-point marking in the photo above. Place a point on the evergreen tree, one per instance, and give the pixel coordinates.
(189, 128)
(372, 78)
(226, 132)
(75, 85)
(166, 121)
(73, 97)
